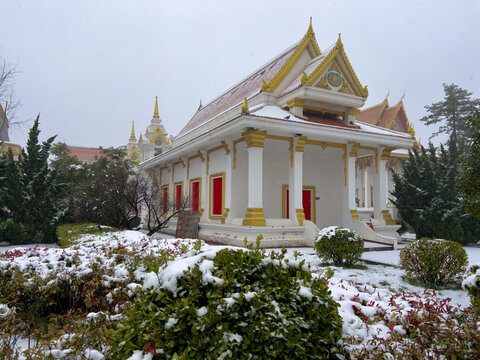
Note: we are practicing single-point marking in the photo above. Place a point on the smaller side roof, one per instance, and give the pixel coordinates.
(85, 154)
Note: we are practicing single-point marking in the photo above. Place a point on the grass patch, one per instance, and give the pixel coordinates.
(68, 233)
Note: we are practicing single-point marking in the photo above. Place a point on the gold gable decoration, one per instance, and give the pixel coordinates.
(330, 62)
(308, 39)
(134, 155)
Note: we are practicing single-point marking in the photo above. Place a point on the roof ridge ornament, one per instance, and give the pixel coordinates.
(200, 106)
(155, 111)
(245, 107)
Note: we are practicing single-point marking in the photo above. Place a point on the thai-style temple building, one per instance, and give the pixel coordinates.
(284, 152)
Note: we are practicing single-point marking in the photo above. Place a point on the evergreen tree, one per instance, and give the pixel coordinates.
(40, 205)
(470, 175)
(452, 113)
(428, 198)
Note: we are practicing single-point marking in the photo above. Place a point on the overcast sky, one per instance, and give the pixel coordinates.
(90, 67)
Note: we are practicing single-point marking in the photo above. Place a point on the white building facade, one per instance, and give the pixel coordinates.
(278, 154)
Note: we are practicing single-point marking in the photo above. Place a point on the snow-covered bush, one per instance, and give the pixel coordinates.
(471, 283)
(434, 261)
(232, 304)
(339, 245)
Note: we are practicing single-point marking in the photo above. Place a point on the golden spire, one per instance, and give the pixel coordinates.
(132, 135)
(155, 111)
(140, 140)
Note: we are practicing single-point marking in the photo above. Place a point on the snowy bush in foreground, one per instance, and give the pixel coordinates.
(232, 304)
(471, 283)
(339, 245)
(434, 261)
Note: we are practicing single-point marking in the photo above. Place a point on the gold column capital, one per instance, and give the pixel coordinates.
(254, 138)
(301, 141)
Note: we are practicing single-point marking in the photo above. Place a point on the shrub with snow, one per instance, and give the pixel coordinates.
(434, 261)
(471, 283)
(232, 304)
(339, 245)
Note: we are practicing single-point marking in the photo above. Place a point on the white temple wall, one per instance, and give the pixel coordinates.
(180, 173)
(276, 167)
(195, 168)
(217, 162)
(324, 169)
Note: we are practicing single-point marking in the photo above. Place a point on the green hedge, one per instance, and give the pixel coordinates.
(434, 261)
(472, 285)
(257, 308)
(339, 245)
(68, 233)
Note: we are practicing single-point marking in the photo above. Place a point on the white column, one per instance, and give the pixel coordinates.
(228, 179)
(380, 198)
(255, 178)
(295, 186)
(204, 188)
(366, 187)
(351, 181)
(255, 141)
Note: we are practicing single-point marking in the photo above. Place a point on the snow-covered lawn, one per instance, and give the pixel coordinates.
(360, 292)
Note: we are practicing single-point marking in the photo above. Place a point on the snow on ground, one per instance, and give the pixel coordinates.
(356, 290)
(392, 257)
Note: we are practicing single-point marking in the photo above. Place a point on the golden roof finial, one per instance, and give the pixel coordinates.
(155, 111)
(388, 94)
(245, 107)
(140, 140)
(132, 135)
(402, 96)
(339, 44)
(310, 27)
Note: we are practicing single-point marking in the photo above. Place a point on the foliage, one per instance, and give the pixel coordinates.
(452, 113)
(68, 233)
(238, 305)
(434, 261)
(339, 245)
(427, 197)
(159, 209)
(27, 190)
(431, 329)
(471, 283)
(108, 193)
(469, 176)
(72, 298)
(70, 174)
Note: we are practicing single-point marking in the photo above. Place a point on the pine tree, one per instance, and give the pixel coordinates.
(427, 195)
(40, 205)
(470, 175)
(452, 113)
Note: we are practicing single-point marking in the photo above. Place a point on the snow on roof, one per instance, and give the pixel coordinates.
(276, 112)
(246, 88)
(380, 130)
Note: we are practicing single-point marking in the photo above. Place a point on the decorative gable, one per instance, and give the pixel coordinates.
(307, 49)
(336, 73)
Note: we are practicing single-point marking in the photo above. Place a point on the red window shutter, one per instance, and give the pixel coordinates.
(307, 204)
(165, 199)
(195, 196)
(178, 197)
(217, 196)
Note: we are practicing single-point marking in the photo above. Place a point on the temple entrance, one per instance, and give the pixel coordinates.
(308, 202)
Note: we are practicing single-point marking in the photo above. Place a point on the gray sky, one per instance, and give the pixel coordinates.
(90, 67)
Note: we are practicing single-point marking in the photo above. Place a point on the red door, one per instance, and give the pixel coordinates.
(217, 206)
(287, 201)
(178, 197)
(195, 196)
(307, 204)
(165, 199)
